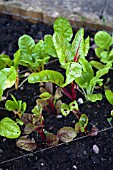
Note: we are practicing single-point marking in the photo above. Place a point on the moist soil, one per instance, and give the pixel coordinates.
(77, 154)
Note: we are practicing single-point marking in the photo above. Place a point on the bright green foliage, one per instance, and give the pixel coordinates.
(37, 110)
(96, 64)
(47, 76)
(73, 69)
(81, 124)
(80, 44)
(59, 44)
(45, 96)
(5, 61)
(104, 41)
(66, 109)
(62, 26)
(49, 46)
(88, 81)
(109, 96)
(9, 128)
(16, 106)
(8, 77)
(32, 55)
(63, 48)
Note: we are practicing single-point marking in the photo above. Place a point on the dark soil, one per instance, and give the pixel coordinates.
(78, 154)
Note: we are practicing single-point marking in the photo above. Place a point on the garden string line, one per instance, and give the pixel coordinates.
(45, 149)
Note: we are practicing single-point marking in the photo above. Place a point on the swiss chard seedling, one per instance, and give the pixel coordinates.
(104, 52)
(17, 107)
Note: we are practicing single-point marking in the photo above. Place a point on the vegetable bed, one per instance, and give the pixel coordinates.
(61, 118)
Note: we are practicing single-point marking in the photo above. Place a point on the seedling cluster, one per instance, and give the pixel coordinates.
(81, 76)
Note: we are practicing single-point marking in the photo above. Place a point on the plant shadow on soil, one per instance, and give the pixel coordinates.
(77, 154)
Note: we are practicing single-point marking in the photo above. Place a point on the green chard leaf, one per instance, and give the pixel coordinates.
(5, 61)
(81, 125)
(94, 97)
(63, 48)
(97, 64)
(31, 55)
(49, 46)
(79, 45)
(45, 96)
(103, 40)
(109, 96)
(8, 78)
(47, 76)
(9, 128)
(16, 106)
(66, 109)
(62, 26)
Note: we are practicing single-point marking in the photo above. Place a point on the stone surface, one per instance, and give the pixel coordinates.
(96, 14)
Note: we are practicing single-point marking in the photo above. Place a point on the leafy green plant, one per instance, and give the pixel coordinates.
(66, 109)
(49, 102)
(9, 128)
(32, 55)
(8, 78)
(81, 125)
(109, 96)
(104, 41)
(17, 107)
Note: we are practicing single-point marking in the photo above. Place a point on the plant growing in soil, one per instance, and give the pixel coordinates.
(104, 51)
(78, 77)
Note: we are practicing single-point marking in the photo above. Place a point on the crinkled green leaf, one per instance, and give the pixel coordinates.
(49, 46)
(98, 52)
(9, 128)
(65, 110)
(26, 143)
(31, 55)
(94, 97)
(63, 48)
(73, 70)
(73, 105)
(87, 74)
(103, 40)
(5, 61)
(45, 96)
(37, 110)
(8, 78)
(109, 96)
(79, 44)
(104, 70)
(16, 106)
(26, 44)
(83, 121)
(66, 134)
(62, 26)
(81, 125)
(47, 76)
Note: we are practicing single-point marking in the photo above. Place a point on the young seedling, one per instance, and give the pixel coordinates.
(17, 107)
(104, 41)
